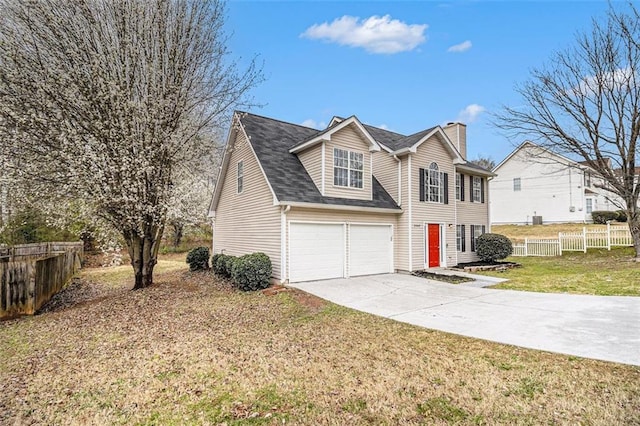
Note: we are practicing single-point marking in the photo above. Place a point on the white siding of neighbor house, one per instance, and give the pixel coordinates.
(548, 188)
(467, 214)
(385, 169)
(311, 159)
(432, 150)
(348, 139)
(346, 217)
(247, 222)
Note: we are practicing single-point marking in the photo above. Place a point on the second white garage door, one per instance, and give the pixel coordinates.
(370, 249)
(316, 251)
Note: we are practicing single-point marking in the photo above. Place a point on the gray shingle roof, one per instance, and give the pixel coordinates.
(271, 140)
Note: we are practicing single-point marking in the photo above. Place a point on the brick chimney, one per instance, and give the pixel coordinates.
(457, 132)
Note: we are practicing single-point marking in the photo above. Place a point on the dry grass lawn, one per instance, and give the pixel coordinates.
(520, 232)
(191, 350)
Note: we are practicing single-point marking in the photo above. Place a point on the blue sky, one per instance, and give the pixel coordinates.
(405, 66)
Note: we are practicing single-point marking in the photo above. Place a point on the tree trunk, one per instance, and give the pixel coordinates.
(143, 251)
(633, 220)
(178, 229)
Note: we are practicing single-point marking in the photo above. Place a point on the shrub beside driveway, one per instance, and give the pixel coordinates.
(191, 350)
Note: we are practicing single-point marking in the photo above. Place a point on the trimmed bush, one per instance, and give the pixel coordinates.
(622, 216)
(215, 263)
(492, 247)
(198, 259)
(223, 264)
(603, 216)
(252, 272)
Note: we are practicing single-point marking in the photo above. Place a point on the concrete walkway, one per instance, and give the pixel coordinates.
(599, 327)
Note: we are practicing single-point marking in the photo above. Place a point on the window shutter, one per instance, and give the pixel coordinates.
(464, 248)
(421, 173)
(473, 240)
(471, 196)
(483, 229)
(482, 192)
(461, 187)
(446, 187)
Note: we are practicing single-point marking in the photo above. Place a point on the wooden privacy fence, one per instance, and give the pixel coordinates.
(612, 236)
(30, 274)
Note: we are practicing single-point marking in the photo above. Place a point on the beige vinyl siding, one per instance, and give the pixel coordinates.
(348, 139)
(322, 215)
(311, 159)
(402, 230)
(385, 169)
(468, 214)
(247, 222)
(457, 131)
(432, 150)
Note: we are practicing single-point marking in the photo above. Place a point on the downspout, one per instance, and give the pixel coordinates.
(283, 243)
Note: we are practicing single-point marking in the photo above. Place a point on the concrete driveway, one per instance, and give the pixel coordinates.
(599, 327)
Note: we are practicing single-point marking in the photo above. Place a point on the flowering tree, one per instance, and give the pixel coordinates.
(107, 101)
(586, 105)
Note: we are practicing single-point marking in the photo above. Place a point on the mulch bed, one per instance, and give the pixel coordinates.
(452, 279)
(486, 266)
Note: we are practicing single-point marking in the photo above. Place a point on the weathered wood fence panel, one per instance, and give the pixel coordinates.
(575, 241)
(33, 273)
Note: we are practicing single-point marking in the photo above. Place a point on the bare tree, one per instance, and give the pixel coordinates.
(106, 101)
(485, 162)
(585, 104)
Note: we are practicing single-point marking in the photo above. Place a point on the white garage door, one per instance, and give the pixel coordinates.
(316, 251)
(370, 250)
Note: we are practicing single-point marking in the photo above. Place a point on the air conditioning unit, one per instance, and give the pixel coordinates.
(572, 209)
(537, 220)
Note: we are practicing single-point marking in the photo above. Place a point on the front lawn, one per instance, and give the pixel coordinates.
(599, 271)
(191, 350)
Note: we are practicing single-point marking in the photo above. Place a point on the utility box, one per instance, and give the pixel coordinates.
(537, 220)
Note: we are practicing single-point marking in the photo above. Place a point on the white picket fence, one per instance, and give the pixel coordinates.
(612, 236)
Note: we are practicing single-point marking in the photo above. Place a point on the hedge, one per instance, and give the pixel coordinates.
(198, 259)
(491, 247)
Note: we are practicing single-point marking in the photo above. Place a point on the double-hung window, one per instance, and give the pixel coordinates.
(458, 189)
(348, 168)
(476, 231)
(460, 240)
(517, 184)
(240, 176)
(477, 189)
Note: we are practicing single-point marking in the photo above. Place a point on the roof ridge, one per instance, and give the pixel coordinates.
(278, 120)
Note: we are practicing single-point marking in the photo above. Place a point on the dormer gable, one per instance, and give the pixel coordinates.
(335, 127)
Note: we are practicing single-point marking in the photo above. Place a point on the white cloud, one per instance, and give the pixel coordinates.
(383, 127)
(375, 34)
(462, 47)
(610, 81)
(310, 122)
(470, 113)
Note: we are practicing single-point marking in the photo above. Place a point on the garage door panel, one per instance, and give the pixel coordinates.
(316, 251)
(370, 249)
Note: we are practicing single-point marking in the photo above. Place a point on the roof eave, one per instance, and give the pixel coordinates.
(342, 207)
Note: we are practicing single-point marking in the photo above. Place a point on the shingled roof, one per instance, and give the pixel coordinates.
(271, 140)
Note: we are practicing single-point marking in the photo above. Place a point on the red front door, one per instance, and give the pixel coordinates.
(433, 241)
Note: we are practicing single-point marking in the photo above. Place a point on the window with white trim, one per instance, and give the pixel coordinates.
(434, 184)
(477, 189)
(458, 189)
(517, 184)
(240, 176)
(348, 168)
(460, 246)
(589, 205)
(476, 231)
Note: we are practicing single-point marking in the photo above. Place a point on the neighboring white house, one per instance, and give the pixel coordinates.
(535, 185)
